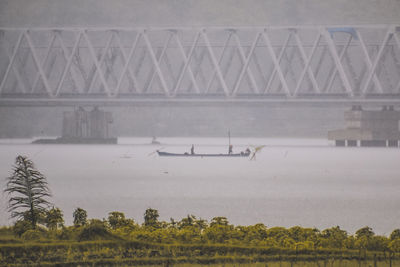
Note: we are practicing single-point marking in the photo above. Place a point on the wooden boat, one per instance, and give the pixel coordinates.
(167, 154)
(186, 154)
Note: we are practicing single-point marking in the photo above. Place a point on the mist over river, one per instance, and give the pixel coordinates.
(306, 182)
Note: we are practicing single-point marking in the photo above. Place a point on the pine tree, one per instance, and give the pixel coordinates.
(28, 191)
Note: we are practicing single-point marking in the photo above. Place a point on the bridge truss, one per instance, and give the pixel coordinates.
(68, 66)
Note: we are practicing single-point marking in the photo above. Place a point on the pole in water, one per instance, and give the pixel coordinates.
(229, 136)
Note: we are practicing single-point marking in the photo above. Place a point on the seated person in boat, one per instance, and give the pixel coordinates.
(246, 152)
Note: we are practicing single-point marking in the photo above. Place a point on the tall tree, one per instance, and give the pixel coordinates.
(80, 217)
(151, 217)
(395, 234)
(54, 218)
(117, 220)
(28, 191)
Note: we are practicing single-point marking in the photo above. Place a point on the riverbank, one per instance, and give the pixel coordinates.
(119, 241)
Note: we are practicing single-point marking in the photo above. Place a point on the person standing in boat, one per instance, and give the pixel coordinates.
(230, 151)
(192, 150)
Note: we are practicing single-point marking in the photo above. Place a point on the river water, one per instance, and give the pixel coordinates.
(306, 182)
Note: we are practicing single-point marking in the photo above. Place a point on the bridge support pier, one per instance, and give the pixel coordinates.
(82, 126)
(368, 128)
(81, 123)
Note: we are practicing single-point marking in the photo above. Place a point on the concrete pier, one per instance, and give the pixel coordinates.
(86, 126)
(371, 128)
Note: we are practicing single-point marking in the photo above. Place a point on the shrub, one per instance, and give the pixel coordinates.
(95, 230)
(21, 227)
(68, 233)
(34, 234)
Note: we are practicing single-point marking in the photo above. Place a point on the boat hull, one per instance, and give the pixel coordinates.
(167, 154)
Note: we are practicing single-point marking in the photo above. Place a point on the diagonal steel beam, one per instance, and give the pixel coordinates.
(272, 76)
(169, 66)
(152, 74)
(364, 70)
(38, 65)
(22, 74)
(170, 69)
(338, 64)
(131, 75)
(288, 67)
(96, 62)
(47, 53)
(79, 65)
(307, 62)
(230, 51)
(372, 70)
(276, 63)
(246, 62)
(140, 63)
(100, 63)
(156, 64)
(368, 61)
(259, 69)
(89, 78)
(186, 59)
(127, 61)
(19, 72)
(68, 64)
(214, 73)
(320, 61)
(66, 57)
(11, 61)
(198, 70)
(352, 71)
(159, 58)
(397, 40)
(108, 64)
(215, 62)
(16, 72)
(333, 70)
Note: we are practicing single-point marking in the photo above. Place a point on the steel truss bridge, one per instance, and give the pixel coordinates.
(72, 66)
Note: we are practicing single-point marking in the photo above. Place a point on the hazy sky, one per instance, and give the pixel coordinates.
(133, 13)
(23, 13)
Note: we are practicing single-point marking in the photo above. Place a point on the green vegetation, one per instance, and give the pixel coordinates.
(119, 241)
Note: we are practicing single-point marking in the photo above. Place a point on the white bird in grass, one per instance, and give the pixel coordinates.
(257, 149)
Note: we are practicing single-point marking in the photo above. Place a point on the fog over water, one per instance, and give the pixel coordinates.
(305, 182)
(205, 121)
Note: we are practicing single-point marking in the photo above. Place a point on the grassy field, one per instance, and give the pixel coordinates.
(328, 263)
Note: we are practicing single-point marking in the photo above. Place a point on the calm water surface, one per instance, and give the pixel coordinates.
(292, 182)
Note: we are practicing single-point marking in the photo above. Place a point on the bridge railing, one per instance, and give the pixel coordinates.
(253, 63)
